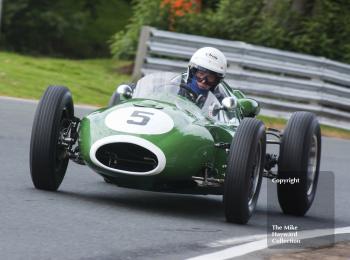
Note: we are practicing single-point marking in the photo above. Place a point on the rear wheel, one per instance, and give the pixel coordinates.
(48, 156)
(300, 153)
(244, 171)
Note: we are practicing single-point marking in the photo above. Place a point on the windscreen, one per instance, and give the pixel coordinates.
(165, 87)
(158, 86)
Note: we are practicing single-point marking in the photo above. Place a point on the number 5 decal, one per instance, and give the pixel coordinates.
(139, 120)
(142, 116)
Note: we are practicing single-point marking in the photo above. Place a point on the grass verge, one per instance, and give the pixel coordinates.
(91, 81)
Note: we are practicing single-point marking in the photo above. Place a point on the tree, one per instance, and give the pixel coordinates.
(317, 27)
(77, 29)
(303, 7)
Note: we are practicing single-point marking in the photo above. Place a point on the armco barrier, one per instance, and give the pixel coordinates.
(281, 81)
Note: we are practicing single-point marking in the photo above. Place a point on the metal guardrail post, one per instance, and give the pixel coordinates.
(141, 51)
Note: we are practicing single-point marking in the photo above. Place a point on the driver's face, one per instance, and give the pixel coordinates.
(203, 85)
(205, 80)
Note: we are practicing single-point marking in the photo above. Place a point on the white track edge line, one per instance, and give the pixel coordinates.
(262, 244)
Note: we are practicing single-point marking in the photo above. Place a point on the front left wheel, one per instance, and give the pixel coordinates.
(48, 156)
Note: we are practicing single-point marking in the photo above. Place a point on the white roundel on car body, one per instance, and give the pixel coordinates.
(139, 120)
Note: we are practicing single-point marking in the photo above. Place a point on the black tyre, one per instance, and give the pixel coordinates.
(114, 100)
(48, 158)
(244, 171)
(300, 153)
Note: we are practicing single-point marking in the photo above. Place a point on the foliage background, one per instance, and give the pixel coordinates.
(76, 29)
(93, 28)
(317, 27)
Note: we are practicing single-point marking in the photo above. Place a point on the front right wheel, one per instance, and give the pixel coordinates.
(244, 171)
(48, 156)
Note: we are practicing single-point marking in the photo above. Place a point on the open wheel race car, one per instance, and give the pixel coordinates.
(152, 138)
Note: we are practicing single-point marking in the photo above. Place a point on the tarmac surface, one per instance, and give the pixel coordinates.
(90, 219)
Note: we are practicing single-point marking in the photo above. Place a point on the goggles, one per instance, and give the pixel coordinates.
(210, 78)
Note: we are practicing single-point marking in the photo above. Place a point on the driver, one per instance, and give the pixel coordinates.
(206, 69)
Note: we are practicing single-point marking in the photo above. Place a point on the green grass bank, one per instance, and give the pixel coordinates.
(91, 81)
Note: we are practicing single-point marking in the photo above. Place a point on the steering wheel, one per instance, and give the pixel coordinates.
(190, 94)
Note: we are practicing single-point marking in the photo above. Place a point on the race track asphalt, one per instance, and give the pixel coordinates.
(90, 219)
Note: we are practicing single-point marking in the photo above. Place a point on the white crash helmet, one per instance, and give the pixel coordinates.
(208, 59)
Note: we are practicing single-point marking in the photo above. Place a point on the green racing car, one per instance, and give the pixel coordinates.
(151, 138)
